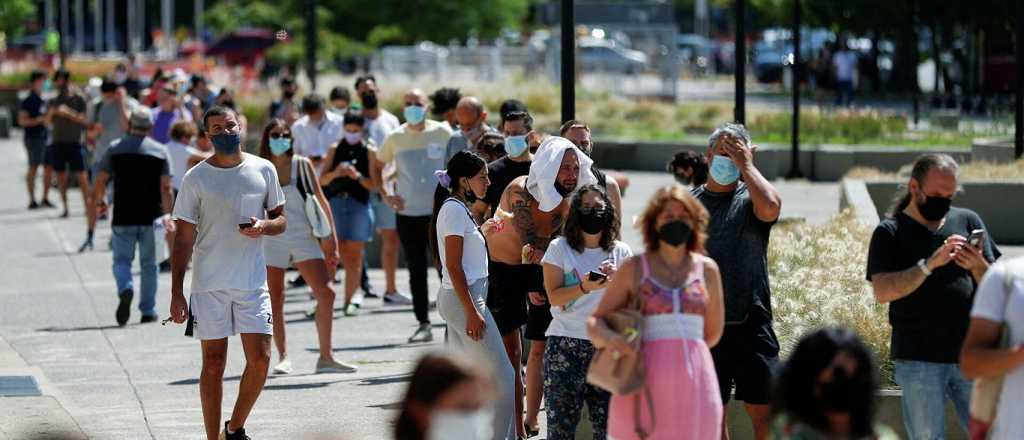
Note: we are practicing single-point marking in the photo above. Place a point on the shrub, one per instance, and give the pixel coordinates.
(817, 279)
(970, 171)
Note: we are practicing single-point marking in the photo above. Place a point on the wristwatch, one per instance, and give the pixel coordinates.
(923, 265)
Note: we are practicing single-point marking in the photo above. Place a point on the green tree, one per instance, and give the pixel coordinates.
(13, 14)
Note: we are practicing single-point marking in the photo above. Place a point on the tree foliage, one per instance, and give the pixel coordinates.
(13, 14)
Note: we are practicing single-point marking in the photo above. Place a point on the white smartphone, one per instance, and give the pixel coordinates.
(977, 238)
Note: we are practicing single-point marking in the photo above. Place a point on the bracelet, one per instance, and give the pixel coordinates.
(923, 265)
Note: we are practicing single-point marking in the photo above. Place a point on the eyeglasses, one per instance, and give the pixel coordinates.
(280, 135)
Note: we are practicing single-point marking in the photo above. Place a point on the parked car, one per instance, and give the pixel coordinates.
(604, 56)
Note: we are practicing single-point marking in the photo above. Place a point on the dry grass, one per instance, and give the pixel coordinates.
(971, 171)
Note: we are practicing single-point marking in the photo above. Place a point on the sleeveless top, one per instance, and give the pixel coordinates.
(658, 299)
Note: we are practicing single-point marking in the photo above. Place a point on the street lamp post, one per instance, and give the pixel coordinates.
(1018, 138)
(794, 170)
(568, 61)
(741, 61)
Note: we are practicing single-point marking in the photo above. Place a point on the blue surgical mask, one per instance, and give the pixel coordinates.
(280, 146)
(724, 171)
(414, 114)
(515, 145)
(227, 143)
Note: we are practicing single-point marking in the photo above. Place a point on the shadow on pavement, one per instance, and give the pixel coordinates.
(83, 328)
(385, 380)
(394, 406)
(196, 380)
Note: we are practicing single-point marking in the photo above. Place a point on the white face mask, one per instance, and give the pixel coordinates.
(462, 425)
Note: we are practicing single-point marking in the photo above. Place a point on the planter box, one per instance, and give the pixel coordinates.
(993, 150)
(1000, 205)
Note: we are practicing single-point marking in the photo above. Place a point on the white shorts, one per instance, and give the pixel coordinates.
(282, 250)
(222, 313)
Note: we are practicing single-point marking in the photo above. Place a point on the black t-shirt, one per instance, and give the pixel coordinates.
(502, 172)
(928, 325)
(137, 164)
(738, 242)
(132, 87)
(357, 156)
(35, 107)
(602, 178)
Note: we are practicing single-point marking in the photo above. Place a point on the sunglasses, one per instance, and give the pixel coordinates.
(280, 135)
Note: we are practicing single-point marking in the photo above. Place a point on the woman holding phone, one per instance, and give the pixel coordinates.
(577, 268)
(297, 246)
(460, 248)
(683, 317)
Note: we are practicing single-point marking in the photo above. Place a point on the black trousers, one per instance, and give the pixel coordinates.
(413, 232)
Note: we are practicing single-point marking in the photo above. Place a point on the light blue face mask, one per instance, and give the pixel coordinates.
(414, 114)
(280, 146)
(724, 171)
(515, 145)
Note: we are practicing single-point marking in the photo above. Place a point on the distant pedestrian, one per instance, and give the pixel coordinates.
(285, 107)
(449, 396)
(417, 148)
(67, 115)
(689, 168)
(340, 99)
(226, 205)
(460, 249)
(32, 118)
(844, 64)
(443, 103)
(316, 130)
(921, 263)
(169, 111)
(827, 390)
(472, 121)
(141, 170)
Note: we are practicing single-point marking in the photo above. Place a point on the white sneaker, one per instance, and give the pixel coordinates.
(334, 366)
(352, 309)
(283, 367)
(422, 334)
(398, 299)
(311, 312)
(357, 299)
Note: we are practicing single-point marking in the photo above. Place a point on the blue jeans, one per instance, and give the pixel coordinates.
(926, 386)
(123, 241)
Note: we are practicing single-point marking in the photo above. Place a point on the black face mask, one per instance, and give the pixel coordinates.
(470, 196)
(675, 233)
(369, 100)
(934, 208)
(288, 94)
(562, 190)
(594, 222)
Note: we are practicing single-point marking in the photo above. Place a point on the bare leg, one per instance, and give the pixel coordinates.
(62, 185)
(352, 260)
(257, 361)
(47, 181)
(83, 184)
(534, 382)
(30, 182)
(211, 384)
(389, 257)
(275, 283)
(318, 277)
(725, 422)
(760, 416)
(514, 349)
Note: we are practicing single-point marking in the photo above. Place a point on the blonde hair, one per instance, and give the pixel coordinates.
(648, 220)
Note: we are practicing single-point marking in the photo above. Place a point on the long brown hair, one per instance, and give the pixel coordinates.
(694, 209)
(574, 233)
(435, 374)
(265, 140)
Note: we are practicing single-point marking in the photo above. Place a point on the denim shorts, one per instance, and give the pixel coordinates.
(352, 218)
(383, 214)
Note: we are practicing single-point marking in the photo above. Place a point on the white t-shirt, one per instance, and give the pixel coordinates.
(846, 63)
(570, 320)
(379, 129)
(990, 302)
(217, 200)
(313, 139)
(179, 161)
(453, 219)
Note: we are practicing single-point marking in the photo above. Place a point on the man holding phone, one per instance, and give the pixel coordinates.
(926, 261)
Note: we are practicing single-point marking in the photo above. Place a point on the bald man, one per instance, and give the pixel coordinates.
(418, 149)
(472, 119)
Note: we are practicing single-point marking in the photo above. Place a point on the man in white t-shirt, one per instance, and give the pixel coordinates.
(845, 64)
(316, 131)
(224, 207)
(999, 302)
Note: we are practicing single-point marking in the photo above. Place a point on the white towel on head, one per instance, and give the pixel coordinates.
(544, 170)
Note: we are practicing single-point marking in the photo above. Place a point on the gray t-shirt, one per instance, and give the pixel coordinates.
(738, 242)
(459, 142)
(108, 115)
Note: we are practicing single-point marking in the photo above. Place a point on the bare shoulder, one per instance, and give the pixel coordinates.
(710, 266)
(516, 191)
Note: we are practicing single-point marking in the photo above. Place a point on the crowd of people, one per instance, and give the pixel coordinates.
(523, 229)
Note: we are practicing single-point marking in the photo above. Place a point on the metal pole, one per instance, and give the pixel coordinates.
(568, 61)
(97, 26)
(1018, 139)
(167, 23)
(129, 26)
(198, 13)
(79, 25)
(794, 170)
(311, 42)
(741, 61)
(49, 16)
(64, 31)
(142, 27)
(111, 38)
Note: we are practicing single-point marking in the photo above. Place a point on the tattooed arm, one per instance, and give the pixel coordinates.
(520, 203)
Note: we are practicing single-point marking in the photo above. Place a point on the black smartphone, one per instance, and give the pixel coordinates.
(596, 276)
(977, 238)
(244, 225)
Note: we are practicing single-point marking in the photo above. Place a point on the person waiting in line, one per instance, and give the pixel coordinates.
(921, 264)
(460, 250)
(999, 306)
(299, 247)
(491, 147)
(589, 244)
(614, 183)
(684, 315)
(472, 119)
(347, 183)
(442, 105)
(826, 390)
(689, 168)
(742, 216)
(449, 397)
(340, 99)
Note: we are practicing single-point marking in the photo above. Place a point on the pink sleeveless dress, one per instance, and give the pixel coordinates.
(680, 373)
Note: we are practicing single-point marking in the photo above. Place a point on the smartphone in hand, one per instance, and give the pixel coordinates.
(596, 276)
(977, 238)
